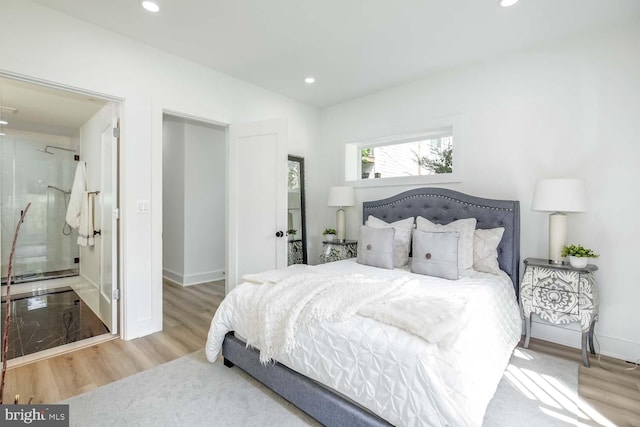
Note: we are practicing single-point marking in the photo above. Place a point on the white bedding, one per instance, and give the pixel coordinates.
(395, 374)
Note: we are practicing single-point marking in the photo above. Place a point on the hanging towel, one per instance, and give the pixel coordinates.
(77, 197)
(80, 209)
(85, 231)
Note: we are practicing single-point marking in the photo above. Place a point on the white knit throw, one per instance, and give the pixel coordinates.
(279, 309)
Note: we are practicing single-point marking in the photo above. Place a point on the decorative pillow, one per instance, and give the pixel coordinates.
(485, 249)
(435, 253)
(402, 239)
(375, 247)
(465, 227)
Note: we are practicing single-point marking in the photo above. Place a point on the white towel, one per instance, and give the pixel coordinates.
(85, 231)
(77, 197)
(80, 209)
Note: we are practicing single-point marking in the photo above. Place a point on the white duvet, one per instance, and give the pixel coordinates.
(394, 373)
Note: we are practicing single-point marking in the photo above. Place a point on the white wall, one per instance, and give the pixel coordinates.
(194, 206)
(205, 207)
(90, 256)
(91, 155)
(55, 47)
(173, 178)
(567, 110)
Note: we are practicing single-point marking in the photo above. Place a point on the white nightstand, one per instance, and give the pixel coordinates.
(560, 294)
(337, 250)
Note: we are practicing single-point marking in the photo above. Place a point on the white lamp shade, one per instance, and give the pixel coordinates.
(560, 195)
(341, 196)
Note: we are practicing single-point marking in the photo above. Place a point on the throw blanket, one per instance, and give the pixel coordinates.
(275, 276)
(280, 309)
(296, 296)
(432, 318)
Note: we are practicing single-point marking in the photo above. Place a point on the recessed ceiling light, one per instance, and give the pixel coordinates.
(507, 3)
(151, 6)
(4, 122)
(310, 80)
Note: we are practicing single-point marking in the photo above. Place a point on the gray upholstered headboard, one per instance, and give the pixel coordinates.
(443, 206)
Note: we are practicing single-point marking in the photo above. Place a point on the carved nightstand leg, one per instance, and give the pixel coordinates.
(585, 357)
(591, 329)
(527, 327)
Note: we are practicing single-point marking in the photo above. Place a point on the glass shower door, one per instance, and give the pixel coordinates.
(33, 171)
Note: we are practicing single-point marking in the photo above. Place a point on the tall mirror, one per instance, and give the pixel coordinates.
(296, 230)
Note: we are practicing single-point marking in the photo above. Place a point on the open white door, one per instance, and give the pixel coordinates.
(108, 206)
(257, 199)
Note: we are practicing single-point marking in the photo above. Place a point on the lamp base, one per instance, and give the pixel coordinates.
(557, 237)
(341, 228)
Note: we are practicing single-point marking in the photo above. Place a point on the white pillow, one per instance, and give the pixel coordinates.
(375, 247)
(485, 249)
(465, 227)
(435, 254)
(401, 240)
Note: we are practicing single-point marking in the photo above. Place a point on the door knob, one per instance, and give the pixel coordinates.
(279, 233)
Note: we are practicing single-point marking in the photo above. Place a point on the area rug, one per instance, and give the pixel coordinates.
(536, 390)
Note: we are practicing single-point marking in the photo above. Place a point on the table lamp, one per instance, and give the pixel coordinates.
(341, 197)
(559, 196)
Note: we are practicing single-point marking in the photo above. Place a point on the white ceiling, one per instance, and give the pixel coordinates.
(46, 110)
(352, 47)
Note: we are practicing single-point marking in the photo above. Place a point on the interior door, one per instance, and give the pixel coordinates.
(108, 206)
(257, 208)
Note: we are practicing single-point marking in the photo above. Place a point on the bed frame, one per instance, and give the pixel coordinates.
(438, 205)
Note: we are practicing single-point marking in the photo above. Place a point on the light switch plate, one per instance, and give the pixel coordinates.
(143, 206)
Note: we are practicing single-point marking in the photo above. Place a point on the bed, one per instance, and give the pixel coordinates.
(361, 372)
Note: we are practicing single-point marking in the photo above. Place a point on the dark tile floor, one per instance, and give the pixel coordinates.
(47, 319)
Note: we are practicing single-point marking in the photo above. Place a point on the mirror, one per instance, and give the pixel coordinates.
(296, 231)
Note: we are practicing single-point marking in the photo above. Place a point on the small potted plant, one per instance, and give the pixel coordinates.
(329, 233)
(291, 233)
(578, 255)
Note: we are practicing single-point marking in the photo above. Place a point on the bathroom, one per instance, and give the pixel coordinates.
(53, 141)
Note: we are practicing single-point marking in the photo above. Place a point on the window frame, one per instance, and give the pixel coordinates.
(435, 128)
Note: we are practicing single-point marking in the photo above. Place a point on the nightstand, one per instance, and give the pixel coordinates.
(337, 250)
(560, 294)
(295, 255)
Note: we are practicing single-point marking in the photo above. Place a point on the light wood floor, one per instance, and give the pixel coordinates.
(187, 314)
(612, 390)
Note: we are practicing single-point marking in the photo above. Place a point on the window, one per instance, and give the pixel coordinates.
(415, 158)
(431, 156)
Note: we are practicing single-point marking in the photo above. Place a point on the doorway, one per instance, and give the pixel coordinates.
(62, 292)
(193, 200)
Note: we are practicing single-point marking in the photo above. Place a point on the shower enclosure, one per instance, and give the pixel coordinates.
(41, 172)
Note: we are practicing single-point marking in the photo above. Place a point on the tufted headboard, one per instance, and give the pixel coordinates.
(443, 206)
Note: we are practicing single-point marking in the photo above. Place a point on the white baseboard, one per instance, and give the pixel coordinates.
(192, 279)
(172, 276)
(571, 336)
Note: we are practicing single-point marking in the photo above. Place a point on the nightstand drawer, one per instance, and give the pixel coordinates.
(338, 250)
(556, 299)
(567, 281)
